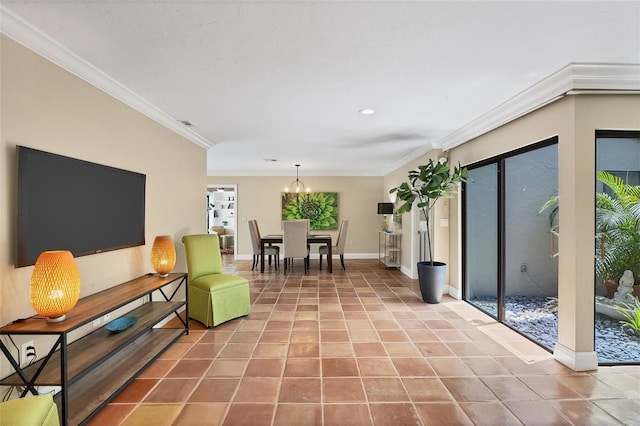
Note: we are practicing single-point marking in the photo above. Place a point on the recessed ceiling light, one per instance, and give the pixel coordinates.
(367, 111)
(185, 122)
(270, 160)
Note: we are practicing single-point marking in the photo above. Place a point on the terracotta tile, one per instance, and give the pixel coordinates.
(343, 349)
(216, 336)
(333, 325)
(394, 414)
(158, 369)
(393, 336)
(304, 350)
(402, 350)
(518, 366)
(172, 390)
(264, 367)
(339, 367)
(298, 414)
(384, 389)
(469, 389)
(153, 415)
(376, 367)
(536, 412)
(412, 367)
(438, 324)
(386, 325)
(582, 412)
(489, 413)
(215, 390)
(592, 388)
(509, 389)
(371, 349)
(257, 389)
(135, 391)
(463, 349)
(300, 390)
(279, 336)
(190, 368)
(426, 389)
(549, 387)
(305, 337)
(443, 413)
(204, 351)
(485, 366)
(429, 349)
(112, 414)
(342, 389)
(176, 351)
(278, 325)
(246, 337)
(334, 336)
(237, 350)
(306, 325)
(302, 367)
(249, 415)
(347, 415)
(227, 368)
(270, 350)
(202, 414)
(446, 367)
(251, 325)
(364, 336)
(626, 411)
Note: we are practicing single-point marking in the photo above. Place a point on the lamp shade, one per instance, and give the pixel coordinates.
(163, 255)
(385, 208)
(55, 284)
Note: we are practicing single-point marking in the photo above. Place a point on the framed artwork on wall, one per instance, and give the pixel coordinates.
(321, 208)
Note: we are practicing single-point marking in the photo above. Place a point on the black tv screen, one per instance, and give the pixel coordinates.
(75, 205)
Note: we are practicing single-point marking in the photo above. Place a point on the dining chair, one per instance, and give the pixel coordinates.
(341, 242)
(270, 250)
(294, 240)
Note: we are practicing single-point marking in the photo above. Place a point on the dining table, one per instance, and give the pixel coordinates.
(311, 239)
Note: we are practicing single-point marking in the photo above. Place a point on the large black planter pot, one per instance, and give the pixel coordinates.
(431, 279)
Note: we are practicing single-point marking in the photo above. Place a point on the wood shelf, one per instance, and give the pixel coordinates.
(93, 369)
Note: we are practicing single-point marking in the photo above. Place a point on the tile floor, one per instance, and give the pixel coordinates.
(360, 348)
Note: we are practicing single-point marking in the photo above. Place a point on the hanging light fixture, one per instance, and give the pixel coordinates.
(297, 185)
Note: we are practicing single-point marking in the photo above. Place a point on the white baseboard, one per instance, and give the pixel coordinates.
(577, 361)
(316, 256)
(454, 292)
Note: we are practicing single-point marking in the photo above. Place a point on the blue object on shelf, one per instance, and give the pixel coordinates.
(121, 324)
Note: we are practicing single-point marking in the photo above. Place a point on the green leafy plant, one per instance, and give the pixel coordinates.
(632, 314)
(618, 222)
(321, 208)
(427, 184)
(617, 226)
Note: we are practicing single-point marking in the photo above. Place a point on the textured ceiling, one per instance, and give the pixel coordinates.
(285, 80)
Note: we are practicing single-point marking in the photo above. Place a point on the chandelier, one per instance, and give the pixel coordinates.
(297, 185)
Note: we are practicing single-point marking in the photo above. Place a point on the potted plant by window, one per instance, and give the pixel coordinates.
(426, 185)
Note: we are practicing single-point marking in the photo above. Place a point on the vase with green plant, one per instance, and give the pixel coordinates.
(424, 187)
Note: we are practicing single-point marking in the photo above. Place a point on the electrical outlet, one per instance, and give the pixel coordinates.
(27, 353)
(523, 268)
(106, 317)
(96, 322)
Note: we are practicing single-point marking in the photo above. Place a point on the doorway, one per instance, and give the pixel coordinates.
(221, 215)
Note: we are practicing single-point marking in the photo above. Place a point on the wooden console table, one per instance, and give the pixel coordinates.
(94, 368)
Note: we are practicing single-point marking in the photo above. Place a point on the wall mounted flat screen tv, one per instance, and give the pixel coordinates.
(70, 204)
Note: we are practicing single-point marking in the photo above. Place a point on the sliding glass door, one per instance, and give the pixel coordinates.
(510, 269)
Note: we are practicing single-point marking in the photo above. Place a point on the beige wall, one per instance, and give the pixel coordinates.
(47, 108)
(259, 198)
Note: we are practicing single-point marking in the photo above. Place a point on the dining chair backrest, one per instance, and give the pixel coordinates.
(294, 239)
(255, 236)
(341, 241)
(306, 221)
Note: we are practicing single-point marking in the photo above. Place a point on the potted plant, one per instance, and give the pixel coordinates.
(426, 185)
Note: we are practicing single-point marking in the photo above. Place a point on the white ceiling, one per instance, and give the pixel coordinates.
(285, 79)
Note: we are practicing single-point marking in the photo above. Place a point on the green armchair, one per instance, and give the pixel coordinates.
(29, 411)
(214, 297)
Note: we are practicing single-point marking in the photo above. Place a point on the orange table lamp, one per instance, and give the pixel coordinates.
(163, 255)
(55, 285)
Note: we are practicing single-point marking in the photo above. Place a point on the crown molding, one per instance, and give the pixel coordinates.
(606, 78)
(24, 33)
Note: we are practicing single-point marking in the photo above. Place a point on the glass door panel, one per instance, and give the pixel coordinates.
(481, 238)
(530, 269)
